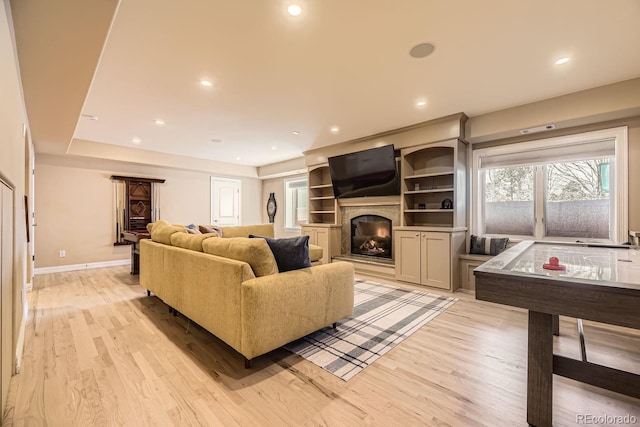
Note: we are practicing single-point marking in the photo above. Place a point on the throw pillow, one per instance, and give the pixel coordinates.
(291, 253)
(161, 231)
(254, 252)
(204, 229)
(488, 245)
(193, 229)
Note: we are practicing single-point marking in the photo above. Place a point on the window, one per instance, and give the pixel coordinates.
(565, 188)
(296, 193)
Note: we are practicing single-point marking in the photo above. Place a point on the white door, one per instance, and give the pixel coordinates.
(225, 201)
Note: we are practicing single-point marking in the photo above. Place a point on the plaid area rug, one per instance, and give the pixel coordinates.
(383, 317)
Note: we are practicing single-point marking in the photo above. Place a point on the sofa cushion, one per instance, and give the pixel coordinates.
(315, 252)
(291, 253)
(482, 245)
(255, 252)
(244, 230)
(190, 241)
(161, 231)
(210, 229)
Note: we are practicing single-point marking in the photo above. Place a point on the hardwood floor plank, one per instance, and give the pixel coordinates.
(98, 351)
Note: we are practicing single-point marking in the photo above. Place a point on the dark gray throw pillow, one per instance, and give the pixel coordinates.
(291, 253)
(488, 245)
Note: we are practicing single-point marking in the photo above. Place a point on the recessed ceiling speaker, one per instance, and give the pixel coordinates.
(421, 50)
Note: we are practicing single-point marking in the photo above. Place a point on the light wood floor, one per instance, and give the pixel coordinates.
(100, 352)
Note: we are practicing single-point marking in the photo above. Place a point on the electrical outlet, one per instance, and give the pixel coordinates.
(62, 254)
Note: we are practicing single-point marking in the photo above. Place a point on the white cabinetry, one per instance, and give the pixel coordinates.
(429, 257)
(327, 236)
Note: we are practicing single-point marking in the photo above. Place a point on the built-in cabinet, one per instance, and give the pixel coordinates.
(327, 236)
(431, 232)
(429, 256)
(323, 207)
(433, 184)
(6, 292)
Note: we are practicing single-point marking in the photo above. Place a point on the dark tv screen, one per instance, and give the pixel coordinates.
(365, 173)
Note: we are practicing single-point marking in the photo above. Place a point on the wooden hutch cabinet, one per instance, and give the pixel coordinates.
(135, 202)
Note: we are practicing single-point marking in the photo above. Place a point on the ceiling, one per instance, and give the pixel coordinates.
(340, 63)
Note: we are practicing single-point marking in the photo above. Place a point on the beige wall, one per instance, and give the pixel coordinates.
(12, 167)
(75, 212)
(276, 185)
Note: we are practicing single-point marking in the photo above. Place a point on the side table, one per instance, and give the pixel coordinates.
(134, 237)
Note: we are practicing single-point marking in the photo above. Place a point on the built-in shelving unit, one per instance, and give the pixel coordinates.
(323, 208)
(433, 184)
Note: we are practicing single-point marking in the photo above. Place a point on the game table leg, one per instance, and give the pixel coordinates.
(540, 369)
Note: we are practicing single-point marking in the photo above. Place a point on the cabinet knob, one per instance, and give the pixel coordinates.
(417, 234)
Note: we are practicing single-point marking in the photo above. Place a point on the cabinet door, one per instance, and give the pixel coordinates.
(436, 259)
(322, 240)
(308, 231)
(407, 249)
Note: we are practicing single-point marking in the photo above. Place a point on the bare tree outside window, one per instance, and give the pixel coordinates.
(577, 199)
(508, 202)
(576, 202)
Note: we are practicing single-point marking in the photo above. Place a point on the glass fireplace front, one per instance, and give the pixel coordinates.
(371, 236)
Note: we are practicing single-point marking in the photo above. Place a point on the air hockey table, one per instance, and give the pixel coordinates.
(599, 283)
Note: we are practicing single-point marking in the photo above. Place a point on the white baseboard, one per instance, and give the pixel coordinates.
(74, 267)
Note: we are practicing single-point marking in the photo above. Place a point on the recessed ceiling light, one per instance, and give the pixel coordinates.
(90, 117)
(238, 158)
(206, 83)
(216, 141)
(136, 140)
(421, 103)
(421, 50)
(335, 129)
(159, 122)
(562, 60)
(274, 148)
(294, 10)
(295, 132)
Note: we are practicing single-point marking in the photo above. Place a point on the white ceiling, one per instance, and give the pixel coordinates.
(341, 63)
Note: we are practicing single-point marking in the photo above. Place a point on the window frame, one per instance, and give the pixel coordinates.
(286, 183)
(618, 193)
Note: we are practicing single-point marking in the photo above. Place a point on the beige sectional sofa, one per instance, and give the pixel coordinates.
(230, 287)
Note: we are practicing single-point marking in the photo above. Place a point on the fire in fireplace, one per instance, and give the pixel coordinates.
(371, 236)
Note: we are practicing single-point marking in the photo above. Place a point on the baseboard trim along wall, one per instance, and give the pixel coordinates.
(73, 267)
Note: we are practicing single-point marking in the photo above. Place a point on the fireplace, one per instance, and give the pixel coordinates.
(371, 236)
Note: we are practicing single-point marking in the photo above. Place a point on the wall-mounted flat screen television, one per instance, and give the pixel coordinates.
(372, 172)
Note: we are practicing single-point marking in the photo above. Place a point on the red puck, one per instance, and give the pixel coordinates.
(554, 264)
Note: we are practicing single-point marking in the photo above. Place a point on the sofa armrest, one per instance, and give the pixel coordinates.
(283, 307)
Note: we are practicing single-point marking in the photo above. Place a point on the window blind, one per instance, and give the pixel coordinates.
(599, 149)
